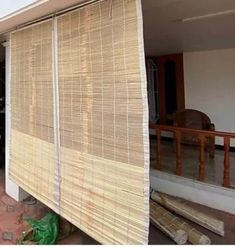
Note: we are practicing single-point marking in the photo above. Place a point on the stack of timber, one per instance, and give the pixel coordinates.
(176, 228)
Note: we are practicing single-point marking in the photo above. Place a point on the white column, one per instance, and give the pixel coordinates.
(12, 189)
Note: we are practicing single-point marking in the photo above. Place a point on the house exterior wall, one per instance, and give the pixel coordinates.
(210, 86)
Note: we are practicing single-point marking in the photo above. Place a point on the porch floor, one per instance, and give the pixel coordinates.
(11, 213)
(213, 167)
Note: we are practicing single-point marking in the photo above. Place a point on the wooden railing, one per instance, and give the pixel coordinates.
(201, 135)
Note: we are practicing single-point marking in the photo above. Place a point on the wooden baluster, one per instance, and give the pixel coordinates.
(201, 175)
(178, 153)
(226, 182)
(158, 158)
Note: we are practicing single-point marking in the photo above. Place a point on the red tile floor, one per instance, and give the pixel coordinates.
(12, 213)
(12, 225)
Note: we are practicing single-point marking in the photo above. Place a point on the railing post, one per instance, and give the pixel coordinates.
(201, 175)
(178, 153)
(226, 182)
(158, 158)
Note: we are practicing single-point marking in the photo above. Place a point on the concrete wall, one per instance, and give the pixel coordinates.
(210, 86)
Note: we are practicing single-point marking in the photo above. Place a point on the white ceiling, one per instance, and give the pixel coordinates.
(8, 7)
(165, 33)
(40, 9)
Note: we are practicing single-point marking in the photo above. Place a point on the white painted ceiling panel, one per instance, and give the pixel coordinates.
(165, 33)
(8, 7)
(36, 10)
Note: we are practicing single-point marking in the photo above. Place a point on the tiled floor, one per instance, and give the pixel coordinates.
(214, 167)
(11, 214)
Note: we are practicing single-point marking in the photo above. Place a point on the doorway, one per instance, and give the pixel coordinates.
(2, 107)
(171, 86)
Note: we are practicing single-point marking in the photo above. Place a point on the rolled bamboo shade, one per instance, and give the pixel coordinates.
(102, 163)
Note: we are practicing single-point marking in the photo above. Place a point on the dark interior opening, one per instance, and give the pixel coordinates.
(2, 107)
(170, 87)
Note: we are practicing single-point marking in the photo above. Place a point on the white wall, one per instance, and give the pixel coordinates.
(210, 86)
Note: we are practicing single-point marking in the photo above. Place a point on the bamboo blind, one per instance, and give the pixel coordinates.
(102, 119)
(32, 152)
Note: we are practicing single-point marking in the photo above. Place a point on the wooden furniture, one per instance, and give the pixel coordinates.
(193, 119)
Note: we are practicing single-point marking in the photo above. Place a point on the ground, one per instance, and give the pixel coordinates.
(12, 213)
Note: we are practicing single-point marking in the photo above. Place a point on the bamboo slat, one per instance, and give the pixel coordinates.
(187, 212)
(165, 221)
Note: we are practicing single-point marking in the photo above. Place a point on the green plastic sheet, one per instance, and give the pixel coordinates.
(46, 230)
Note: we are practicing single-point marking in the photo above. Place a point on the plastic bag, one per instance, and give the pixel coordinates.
(46, 230)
